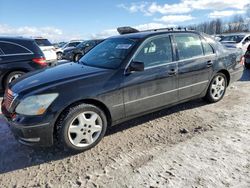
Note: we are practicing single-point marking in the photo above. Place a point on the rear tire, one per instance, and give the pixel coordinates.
(11, 77)
(81, 127)
(217, 88)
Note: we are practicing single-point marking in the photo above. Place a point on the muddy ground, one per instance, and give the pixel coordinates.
(149, 151)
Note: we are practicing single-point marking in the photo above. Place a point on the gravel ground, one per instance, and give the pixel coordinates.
(190, 145)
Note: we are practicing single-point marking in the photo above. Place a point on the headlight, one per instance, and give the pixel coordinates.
(36, 105)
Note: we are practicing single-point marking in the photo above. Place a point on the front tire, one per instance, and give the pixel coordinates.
(77, 57)
(217, 88)
(81, 127)
(59, 56)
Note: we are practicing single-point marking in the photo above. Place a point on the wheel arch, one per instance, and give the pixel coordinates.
(10, 71)
(94, 102)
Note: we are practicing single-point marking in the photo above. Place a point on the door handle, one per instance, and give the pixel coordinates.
(172, 72)
(209, 63)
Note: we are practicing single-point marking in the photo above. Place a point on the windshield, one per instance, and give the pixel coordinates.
(43, 42)
(233, 38)
(108, 54)
(82, 44)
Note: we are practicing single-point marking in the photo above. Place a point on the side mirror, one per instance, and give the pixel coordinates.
(136, 66)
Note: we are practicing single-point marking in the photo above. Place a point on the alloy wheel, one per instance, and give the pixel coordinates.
(218, 87)
(85, 129)
(14, 77)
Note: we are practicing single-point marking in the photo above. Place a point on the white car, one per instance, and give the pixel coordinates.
(48, 50)
(236, 40)
(71, 44)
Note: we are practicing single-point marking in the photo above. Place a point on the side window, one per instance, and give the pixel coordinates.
(155, 52)
(247, 40)
(189, 46)
(207, 48)
(11, 48)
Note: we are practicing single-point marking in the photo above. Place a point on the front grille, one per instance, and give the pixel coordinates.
(9, 98)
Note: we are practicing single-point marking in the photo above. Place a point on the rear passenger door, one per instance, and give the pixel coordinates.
(194, 67)
(156, 86)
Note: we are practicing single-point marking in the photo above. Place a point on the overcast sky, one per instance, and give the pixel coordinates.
(74, 19)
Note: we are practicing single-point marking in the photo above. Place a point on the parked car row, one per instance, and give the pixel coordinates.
(70, 45)
(74, 54)
(121, 78)
(235, 40)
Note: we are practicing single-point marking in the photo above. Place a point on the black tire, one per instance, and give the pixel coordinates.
(209, 96)
(9, 78)
(77, 57)
(66, 120)
(59, 55)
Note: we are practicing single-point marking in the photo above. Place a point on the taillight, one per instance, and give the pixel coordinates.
(41, 61)
(242, 60)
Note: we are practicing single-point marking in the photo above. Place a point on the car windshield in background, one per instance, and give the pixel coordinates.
(233, 38)
(81, 44)
(43, 42)
(108, 54)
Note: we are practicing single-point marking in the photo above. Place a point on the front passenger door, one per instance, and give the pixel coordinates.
(156, 86)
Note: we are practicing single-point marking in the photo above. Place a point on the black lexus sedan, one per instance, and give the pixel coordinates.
(122, 78)
(17, 57)
(74, 54)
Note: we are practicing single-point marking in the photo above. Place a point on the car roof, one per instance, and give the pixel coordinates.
(232, 34)
(15, 38)
(146, 34)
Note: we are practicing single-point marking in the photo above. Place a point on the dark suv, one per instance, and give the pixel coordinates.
(74, 54)
(123, 77)
(18, 56)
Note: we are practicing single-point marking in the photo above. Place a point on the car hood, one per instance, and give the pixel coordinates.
(53, 76)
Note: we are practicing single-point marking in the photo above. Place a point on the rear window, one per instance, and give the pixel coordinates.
(43, 42)
(207, 48)
(189, 46)
(9, 48)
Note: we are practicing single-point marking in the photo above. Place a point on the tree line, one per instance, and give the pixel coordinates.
(217, 26)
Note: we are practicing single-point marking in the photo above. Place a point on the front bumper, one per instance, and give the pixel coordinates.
(37, 135)
(29, 130)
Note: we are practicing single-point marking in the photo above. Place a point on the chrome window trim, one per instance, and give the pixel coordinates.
(13, 43)
(159, 94)
(179, 61)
